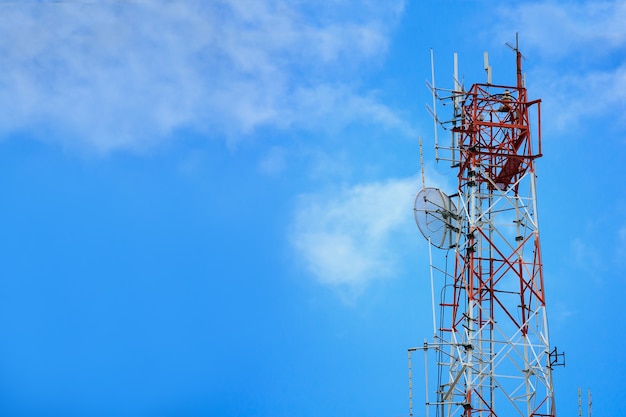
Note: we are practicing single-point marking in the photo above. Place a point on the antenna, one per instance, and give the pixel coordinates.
(456, 101)
(580, 403)
(521, 81)
(516, 47)
(491, 345)
(422, 164)
(436, 217)
(434, 111)
(487, 66)
(457, 85)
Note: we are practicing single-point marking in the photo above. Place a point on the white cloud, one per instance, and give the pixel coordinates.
(573, 99)
(344, 238)
(336, 105)
(114, 75)
(576, 52)
(556, 29)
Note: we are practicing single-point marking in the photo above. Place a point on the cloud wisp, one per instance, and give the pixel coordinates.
(127, 75)
(580, 50)
(345, 238)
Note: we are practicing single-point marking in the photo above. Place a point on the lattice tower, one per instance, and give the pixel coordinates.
(491, 339)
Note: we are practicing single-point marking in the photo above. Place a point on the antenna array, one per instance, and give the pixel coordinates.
(491, 344)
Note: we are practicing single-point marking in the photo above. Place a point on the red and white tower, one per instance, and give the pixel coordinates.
(491, 344)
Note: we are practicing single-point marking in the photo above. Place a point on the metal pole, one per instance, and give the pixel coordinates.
(435, 120)
(432, 287)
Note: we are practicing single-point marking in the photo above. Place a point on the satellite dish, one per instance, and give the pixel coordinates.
(436, 217)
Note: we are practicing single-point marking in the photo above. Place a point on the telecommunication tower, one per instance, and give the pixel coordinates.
(491, 346)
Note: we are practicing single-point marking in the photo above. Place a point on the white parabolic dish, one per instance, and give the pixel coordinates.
(436, 217)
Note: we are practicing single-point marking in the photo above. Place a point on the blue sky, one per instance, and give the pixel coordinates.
(207, 206)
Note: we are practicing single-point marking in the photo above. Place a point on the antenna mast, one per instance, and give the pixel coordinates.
(491, 346)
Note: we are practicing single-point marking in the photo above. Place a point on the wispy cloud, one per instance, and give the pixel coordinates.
(554, 30)
(113, 75)
(337, 105)
(575, 99)
(580, 49)
(344, 237)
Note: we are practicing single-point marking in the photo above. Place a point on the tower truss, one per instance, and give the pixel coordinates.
(491, 343)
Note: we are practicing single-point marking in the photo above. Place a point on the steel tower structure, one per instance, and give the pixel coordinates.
(491, 346)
